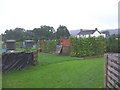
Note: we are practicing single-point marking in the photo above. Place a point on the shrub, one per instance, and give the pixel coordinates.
(48, 45)
(18, 44)
(112, 44)
(87, 46)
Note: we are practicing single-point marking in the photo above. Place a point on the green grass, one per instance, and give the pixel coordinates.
(54, 71)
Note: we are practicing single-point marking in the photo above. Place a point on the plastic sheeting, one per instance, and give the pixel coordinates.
(17, 61)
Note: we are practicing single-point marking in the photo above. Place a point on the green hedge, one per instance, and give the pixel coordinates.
(113, 44)
(49, 46)
(87, 46)
(90, 46)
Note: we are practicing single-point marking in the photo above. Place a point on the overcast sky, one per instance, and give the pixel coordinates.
(75, 14)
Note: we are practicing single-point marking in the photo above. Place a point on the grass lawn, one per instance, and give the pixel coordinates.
(54, 71)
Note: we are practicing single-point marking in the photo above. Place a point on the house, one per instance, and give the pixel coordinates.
(87, 33)
(110, 32)
(74, 32)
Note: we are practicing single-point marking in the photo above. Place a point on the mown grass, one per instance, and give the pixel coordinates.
(54, 71)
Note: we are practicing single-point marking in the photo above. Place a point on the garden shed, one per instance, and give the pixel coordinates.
(65, 42)
(29, 43)
(10, 44)
(64, 47)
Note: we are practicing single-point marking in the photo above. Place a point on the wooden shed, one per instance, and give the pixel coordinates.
(29, 43)
(65, 42)
(64, 47)
(10, 44)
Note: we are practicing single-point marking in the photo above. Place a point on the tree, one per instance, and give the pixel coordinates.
(29, 35)
(44, 32)
(16, 34)
(62, 31)
(36, 32)
(20, 34)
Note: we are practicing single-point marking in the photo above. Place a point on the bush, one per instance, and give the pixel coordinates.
(112, 44)
(19, 44)
(48, 45)
(87, 46)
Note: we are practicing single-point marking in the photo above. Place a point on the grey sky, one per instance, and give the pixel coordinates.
(75, 14)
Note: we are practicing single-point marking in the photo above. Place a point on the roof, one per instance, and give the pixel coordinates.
(74, 32)
(111, 31)
(10, 40)
(29, 40)
(87, 32)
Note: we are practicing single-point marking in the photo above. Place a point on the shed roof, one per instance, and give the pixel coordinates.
(10, 40)
(29, 40)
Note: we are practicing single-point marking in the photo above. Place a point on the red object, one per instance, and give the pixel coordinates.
(65, 42)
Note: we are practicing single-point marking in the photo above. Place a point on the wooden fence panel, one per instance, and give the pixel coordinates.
(18, 60)
(112, 71)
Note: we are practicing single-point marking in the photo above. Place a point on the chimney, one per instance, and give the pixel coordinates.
(96, 29)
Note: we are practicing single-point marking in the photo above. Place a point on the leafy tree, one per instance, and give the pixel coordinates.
(44, 32)
(47, 31)
(62, 31)
(29, 35)
(36, 32)
(16, 34)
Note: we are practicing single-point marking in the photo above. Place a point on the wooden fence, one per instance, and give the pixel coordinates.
(18, 60)
(112, 71)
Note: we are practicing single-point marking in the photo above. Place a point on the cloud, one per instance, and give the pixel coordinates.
(74, 14)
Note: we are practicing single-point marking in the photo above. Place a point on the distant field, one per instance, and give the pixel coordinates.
(54, 71)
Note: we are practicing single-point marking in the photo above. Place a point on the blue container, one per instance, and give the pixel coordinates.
(4, 50)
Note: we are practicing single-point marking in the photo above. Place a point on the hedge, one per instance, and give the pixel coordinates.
(87, 46)
(113, 44)
(90, 46)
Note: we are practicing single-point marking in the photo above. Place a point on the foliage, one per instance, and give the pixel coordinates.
(87, 46)
(29, 35)
(62, 31)
(58, 72)
(48, 45)
(44, 32)
(51, 46)
(16, 34)
(20, 34)
(19, 44)
(113, 44)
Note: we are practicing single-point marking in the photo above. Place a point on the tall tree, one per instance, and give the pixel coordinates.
(20, 34)
(29, 34)
(36, 32)
(16, 34)
(48, 31)
(44, 32)
(62, 31)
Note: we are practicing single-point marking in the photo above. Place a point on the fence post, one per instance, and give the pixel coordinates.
(105, 69)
